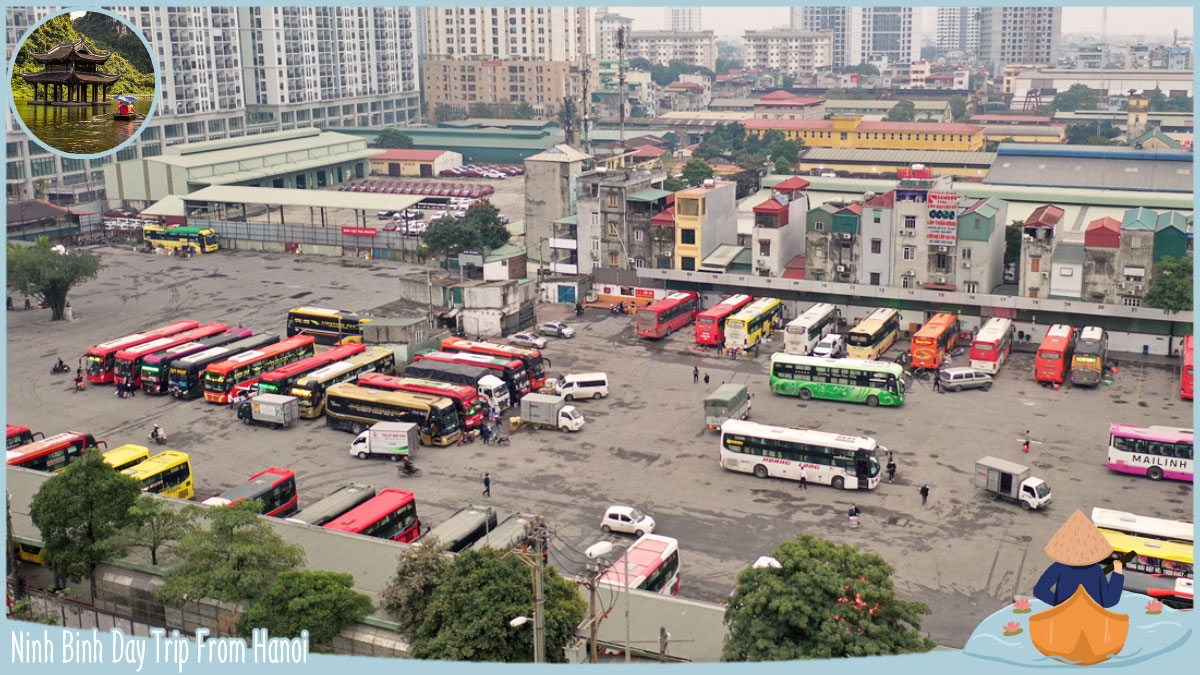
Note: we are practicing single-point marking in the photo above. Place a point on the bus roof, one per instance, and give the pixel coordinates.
(392, 381)
(936, 325)
(214, 353)
(360, 517)
(254, 487)
(828, 438)
(1166, 434)
(315, 361)
(466, 369)
(874, 320)
(342, 313)
(291, 343)
(335, 504)
(813, 313)
(507, 349)
(476, 358)
(642, 555)
(462, 524)
(755, 308)
(156, 464)
(137, 338)
(994, 329)
(118, 454)
(508, 534)
(1149, 546)
(14, 429)
(670, 300)
(352, 390)
(1091, 333)
(1060, 330)
(1128, 522)
(43, 445)
(890, 367)
(161, 343)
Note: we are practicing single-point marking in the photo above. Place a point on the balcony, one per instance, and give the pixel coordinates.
(569, 244)
(563, 268)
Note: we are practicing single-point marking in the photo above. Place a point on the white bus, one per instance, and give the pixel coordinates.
(805, 331)
(845, 462)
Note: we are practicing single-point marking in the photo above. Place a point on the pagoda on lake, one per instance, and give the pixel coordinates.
(70, 77)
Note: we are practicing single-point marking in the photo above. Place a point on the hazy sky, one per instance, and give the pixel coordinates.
(731, 22)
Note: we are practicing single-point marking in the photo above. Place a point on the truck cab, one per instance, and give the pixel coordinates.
(495, 392)
(1035, 492)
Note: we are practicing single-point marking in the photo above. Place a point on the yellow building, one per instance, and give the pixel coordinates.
(410, 162)
(705, 218)
(854, 133)
(1025, 133)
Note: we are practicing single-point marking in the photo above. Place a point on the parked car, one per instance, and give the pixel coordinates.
(626, 519)
(957, 379)
(393, 228)
(527, 339)
(832, 346)
(556, 329)
(384, 215)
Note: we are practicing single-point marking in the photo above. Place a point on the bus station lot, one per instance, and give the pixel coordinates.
(644, 446)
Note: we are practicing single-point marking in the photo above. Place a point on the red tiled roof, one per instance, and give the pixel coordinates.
(792, 185)
(770, 206)
(855, 208)
(778, 95)
(1046, 215)
(647, 151)
(667, 217)
(884, 200)
(399, 155)
(796, 263)
(827, 125)
(685, 85)
(793, 273)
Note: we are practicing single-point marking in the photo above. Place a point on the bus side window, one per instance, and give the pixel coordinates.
(1183, 450)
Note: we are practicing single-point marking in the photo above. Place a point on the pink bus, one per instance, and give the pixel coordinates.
(1153, 452)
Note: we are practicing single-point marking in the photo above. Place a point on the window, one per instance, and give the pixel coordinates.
(1035, 264)
(42, 167)
(595, 243)
(964, 254)
(818, 226)
(612, 199)
(764, 248)
(687, 236)
(910, 222)
(878, 215)
(910, 252)
(613, 229)
(972, 287)
(687, 263)
(1131, 301)
(876, 246)
(874, 278)
(612, 258)
(639, 263)
(905, 282)
(637, 236)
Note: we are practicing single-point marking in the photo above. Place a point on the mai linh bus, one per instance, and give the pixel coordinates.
(156, 368)
(187, 374)
(853, 380)
(310, 389)
(53, 453)
(125, 456)
(752, 323)
(391, 514)
(804, 332)
(102, 358)
(275, 490)
(199, 239)
(1091, 351)
(19, 435)
(1050, 362)
(710, 324)
(873, 335)
(169, 473)
(326, 326)
(349, 407)
(992, 345)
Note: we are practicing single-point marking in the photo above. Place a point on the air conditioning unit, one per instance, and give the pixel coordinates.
(1045, 275)
(841, 268)
(1138, 288)
(846, 236)
(909, 273)
(966, 264)
(1121, 285)
(595, 255)
(941, 280)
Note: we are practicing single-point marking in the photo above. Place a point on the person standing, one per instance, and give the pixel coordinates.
(803, 478)
(487, 485)
(695, 374)
(924, 494)
(937, 382)
(1025, 445)
(706, 378)
(891, 469)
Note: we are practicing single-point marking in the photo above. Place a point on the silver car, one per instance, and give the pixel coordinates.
(957, 379)
(527, 339)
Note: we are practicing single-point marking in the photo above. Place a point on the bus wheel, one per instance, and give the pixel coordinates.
(246, 420)
(1154, 473)
(274, 425)
(839, 483)
(872, 400)
(357, 428)
(805, 394)
(760, 471)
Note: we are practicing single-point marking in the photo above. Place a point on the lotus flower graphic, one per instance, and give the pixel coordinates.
(1154, 607)
(1022, 606)
(1012, 628)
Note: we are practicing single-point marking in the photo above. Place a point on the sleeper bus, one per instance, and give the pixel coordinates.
(934, 340)
(992, 345)
(535, 364)
(873, 335)
(124, 456)
(710, 324)
(512, 532)
(391, 514)
(805, 331)
(187, 373)
(156, 368)
(53, 453)
(1164, 547)
(1053, 355)
(169, 473)
(464, 528)
(512, 371)
(491, 389)
(199, 239)
(854, 380)
(129, 361)
(338, 502)
(349, 407)
(752, 323)
(1153, 452)
(1185, 376)
(274, 488)
(667, 315)
(466, 397)
(843, 461)
(310, 389)
(102, 358)
(653, 563)
(326, 326)
(280, 380)
(220, 378)
(1091, 351)
(18, 436)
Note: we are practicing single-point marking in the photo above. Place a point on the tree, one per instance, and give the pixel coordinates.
(674, 184)
(478, 230)
(80, 511)
(393, 138)
(903, 111)
(1171, 287)
(566, 117)
(468, 613)
(1012, 245)
(928, 53)
(318, 601)
(45, 274)
(152, 523)
(696, 171)
(443, 112)
(789, 150)
(747, 182)
(1088, 133)
(524, 111)
(782, 166)
(417, 575)
(958, 108)
(236, 558)
(840, 94)
(1078, 97)
(724, 65)
(786, 81)
(827, 601)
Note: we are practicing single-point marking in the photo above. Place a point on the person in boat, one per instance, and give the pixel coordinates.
(1077, 550)
(123, 108)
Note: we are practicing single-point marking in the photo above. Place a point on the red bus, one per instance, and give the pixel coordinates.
(129, 361)
(54, 453)
(466, 398)
(1185, 377)
(102, 358)
(275, 488)
(1054, 354)
(992, 345)
(710, 324)
(535, 364)
(18, 436)
(512, 371)
(280, 380)
(667, 315)
(937, 337)
(220, 378)
(156, 368)
(653, 566)
(391, 514)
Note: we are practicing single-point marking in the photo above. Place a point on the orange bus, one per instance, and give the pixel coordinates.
(1054, 354)
(53, 453)
(1185, 378)
(102, 358)
(937, 337)
(220, 378)
(535, 363)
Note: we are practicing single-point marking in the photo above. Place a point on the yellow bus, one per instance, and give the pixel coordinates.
(873, 335)
(327, 326)
(752, 323)
(168, 473)
(349, 407)
(310, 389)
(125, 456)
(199, 239)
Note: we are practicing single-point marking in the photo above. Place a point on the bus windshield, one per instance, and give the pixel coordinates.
(859, 339)
(707, 320)
(445, 417)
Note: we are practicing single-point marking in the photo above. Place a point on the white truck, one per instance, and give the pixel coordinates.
(396, 440)
(1003, 479)
(272, 410)
(545, 412)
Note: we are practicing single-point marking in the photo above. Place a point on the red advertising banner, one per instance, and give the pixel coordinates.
(644, 293)
(361, 231)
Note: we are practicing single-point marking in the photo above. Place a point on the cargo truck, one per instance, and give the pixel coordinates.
(272, 410)
(545, 411)
(1002, 479)
(728, 402)
(396, 440)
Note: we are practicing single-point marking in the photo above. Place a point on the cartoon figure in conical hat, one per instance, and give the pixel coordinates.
(1077, 550)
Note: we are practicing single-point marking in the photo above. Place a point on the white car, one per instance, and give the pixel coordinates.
(626, 519)
(527, 339)
(556, 329)
(832, 346)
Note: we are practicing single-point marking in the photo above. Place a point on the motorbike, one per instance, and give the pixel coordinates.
(158, 435)
(60, 368)
(459, 333)
(407, 470)
(578, 310)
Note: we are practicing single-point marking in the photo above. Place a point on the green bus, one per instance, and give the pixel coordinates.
(853, 380)
(199, 239)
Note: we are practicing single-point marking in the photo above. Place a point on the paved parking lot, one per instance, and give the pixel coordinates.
(645, 445)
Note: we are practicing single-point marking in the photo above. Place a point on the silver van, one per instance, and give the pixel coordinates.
(957, 379)
(584, 385)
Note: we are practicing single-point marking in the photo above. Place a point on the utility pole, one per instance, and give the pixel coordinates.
(585, 141)
(539, 595)
(593, 620)
(621, 79)
(429, 286)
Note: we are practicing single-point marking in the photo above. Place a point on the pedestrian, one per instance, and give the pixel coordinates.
(706, 378)
(853, 516)
(937, 382)
(924, 494)
(487, 485)
(803, 478)
(891, 469)
(1025, 446)
(695, 374)
(756, 350)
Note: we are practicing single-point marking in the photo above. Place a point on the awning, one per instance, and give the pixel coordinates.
(449, 314)
(572, 219)
(648, 195)
(1135, 271)
(939, 287)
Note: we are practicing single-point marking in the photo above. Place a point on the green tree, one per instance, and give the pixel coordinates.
(318, 601)
(393, 138)
(443, 112)
(1160, 102)
(1078, 97)
(236, 558)
(674, 184)
(417, 575)
(786, 81)
(696, 171)
(747, 182)
(1012, 244)
(789, 150)
(1086, 133)
(840, 94)
(1171, 287)
(480, 229)
(80, 512)
(958, 108)
(903, 111)
(782, 166)
(468, 613)
(826, 601)
(724, 65)
(524, 111)
(47, 275)
(152, 524)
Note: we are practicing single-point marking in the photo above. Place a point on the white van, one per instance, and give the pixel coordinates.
(584, 385)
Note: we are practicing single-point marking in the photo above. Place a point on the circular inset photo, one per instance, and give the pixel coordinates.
(83, 82)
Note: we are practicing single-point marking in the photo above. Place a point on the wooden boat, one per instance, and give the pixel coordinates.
(126, 116)
(1079, 631)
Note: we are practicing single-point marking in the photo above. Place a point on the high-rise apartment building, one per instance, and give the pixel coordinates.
(663, 46)
(607, 25)
(859, 32)
(1020, 35)
(793, 52)
(508, 33)
(958, 29)
(683, 19)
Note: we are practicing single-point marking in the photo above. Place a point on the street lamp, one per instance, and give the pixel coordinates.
(603, 548)
(517, 622)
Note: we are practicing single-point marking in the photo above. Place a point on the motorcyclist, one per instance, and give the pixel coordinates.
(28, 305)
(578, 309)
(61, 367)
(157, 434)
(78, 379)
(408, 465)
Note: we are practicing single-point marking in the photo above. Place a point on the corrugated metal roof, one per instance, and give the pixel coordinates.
(907, 157)
(1090, 172)
(1068, 253)
(1140, 218)
(253, 151)
(572, 219)
(722, 256)
(852, 104)
(1024, 130)
(330, 199)
(648, 195)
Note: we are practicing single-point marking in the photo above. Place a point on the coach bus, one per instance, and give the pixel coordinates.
(391, 514)
(102, 358)
(934, 340)
(275, 490)
(53, 453)
(187, 374)
(326, 326)
(512, 371)
(1185, 375)
(1053, 355)
(338, 502)
(653, 564)
(752, 323)
(873, 335)
(349, 407)
(1153, 452)
(129, 361)
(852, 380)
(535, 363)
(310, 389)
(220, 378)
(491, 389)
(199, 239)
(19, 435)
(1164, 547)
(1091, 351)
(467, 525)
(155, 371)
(668, 315)
(169, 473)
(710, 324)
(279, 380)
(510, 533)
(804, 332)
(843, 461)
(466, 398)
(124, 456)
(992, 345)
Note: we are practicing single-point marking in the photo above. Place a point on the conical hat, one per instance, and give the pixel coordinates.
(1078, 542)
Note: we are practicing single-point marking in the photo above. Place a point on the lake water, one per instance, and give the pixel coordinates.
(83, 130)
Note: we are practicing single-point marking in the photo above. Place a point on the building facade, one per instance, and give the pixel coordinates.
(859, 32)
(607, 25)
(697, 48)
(508, 33)
(1038, 243)
(615, 210)
(1027, 35)
(778, 236)
(854, 133)
(683, 19)
(793, 52)
(550, 195)
(458, 84)
(705, 218)
(958, 30)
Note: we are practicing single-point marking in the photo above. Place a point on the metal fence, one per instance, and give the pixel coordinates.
(72, 614)
(311, 235)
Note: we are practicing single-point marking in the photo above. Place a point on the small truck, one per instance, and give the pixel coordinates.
(728, 402)
(1002, 479)
(547, 412)
(396, 440)
(272, 410)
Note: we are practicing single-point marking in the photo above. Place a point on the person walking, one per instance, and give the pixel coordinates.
(853, 516)
(706, 378)
(924, 494)
(487, 485)
(891, 469)
(937, 382)
(695, 374)
(1025, 445)
(803, 478)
